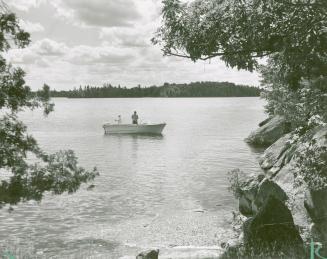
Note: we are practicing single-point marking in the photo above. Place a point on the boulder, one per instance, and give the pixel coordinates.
(248, 194)
(150, 254)
(316, 205)
(245, 206)
(267, 189)
(272, 230)
(274, 157)
(271, 131)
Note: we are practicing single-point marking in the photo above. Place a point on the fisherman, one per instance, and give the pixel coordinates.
(119, 119)
(135, 118)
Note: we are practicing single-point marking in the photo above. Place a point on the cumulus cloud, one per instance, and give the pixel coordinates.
(25, 5)
(50, 51)
(21, 56)
(87, 55)
(42, 53)
(101, 13)
(125, 37)
(30, 26)
(48, 47)
(119, 51)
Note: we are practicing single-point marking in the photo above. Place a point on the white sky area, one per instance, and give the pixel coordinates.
(79, 42)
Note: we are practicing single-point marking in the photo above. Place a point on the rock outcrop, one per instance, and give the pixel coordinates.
(269, 132)
(276, 156)
(279, 163)
(282, 154)
(255, 193)
(269, 233)
(272, 229)
(266, 190)
(316, 205)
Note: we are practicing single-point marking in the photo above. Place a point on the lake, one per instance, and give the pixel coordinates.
(153, 191)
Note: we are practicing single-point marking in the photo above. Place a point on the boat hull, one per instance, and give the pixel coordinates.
(133, 128)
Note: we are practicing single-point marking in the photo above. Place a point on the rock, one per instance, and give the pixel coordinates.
(271, 131)
(272, 230)
(264, 122)
(280, 164)
(316, 205)
(268, 188)
(91, 187)
(245, 206)
(274, 156)
(150, 254)
(280, 158)
(256, 192)
(285, 176)
(248, 194)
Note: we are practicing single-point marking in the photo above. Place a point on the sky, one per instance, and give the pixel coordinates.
(80, 42)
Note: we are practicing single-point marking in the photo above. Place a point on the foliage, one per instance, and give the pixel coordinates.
(312, 166)
(305, 107)
(55, 173)
(291, 35)
(237, 182)
(291, 32)
(196, 89)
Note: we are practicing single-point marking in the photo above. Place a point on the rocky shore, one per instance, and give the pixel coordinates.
(278, 217)
(279, 165)
(281, 216)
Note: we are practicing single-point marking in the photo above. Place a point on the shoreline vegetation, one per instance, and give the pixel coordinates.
(194, 89)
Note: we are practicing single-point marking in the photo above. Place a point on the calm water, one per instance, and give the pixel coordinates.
(162, 191)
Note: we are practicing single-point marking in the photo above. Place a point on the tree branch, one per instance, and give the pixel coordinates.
(219, 55)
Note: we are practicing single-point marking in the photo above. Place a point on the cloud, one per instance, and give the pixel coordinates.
(50, 51)
(25, 5)
(99, 13)
(30, 26)
(119, 50)
(87, 55)
(48, 47)
(126, 37)
(21, 56)
(41, 53)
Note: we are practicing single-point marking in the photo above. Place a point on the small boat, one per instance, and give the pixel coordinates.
(133, 128)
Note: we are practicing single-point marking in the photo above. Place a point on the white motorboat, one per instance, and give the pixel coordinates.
(133, 128)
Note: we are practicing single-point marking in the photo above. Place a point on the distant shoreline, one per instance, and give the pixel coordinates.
(158, 97)
(191, 90)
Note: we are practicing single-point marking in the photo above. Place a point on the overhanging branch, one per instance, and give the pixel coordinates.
(220, 54)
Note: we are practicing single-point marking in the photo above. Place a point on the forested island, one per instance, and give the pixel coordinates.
(195, 89)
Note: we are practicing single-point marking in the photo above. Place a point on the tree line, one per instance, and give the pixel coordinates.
(195, 89)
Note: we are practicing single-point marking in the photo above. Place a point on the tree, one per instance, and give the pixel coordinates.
(290, 34)
(56, 173)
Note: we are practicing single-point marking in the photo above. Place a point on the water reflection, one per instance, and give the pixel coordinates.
(135, 136)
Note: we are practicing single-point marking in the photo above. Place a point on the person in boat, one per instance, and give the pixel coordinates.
(135, 118)
(119, 119)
